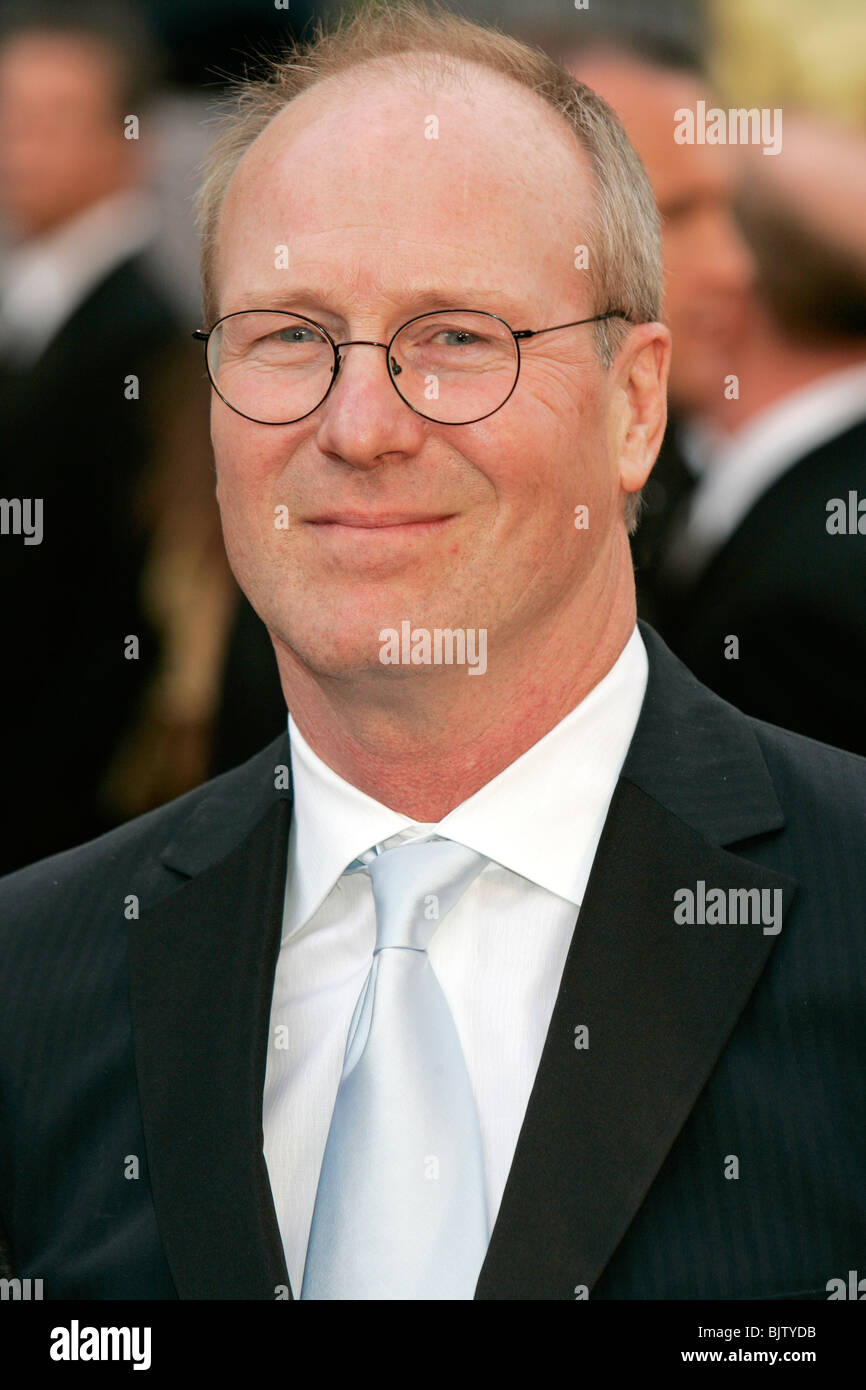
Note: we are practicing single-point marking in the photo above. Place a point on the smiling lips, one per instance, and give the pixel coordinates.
(381, 522)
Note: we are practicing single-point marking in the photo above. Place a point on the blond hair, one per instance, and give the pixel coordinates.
(623, 236)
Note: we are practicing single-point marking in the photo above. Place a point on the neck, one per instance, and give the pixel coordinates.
(771, 366)
(424, 741)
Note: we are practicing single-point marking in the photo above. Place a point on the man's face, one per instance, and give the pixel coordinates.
(61, 136)
(708, 268)
(381, 223)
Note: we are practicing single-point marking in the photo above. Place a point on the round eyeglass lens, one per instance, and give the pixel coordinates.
(271, 367)
(454, 367)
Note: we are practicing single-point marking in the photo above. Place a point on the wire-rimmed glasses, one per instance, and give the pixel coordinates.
(452, 366)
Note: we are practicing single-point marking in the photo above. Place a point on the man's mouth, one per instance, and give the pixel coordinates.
(380, 521)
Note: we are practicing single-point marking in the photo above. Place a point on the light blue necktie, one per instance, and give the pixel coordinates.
(400, 1209)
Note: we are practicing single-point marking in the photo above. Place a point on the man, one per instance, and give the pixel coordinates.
(741, 488)
(770, 550)
(708, 266)
(84, 337)
(432, 998)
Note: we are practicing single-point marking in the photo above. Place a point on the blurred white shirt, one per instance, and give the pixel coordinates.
(43, 280)
(735, 470)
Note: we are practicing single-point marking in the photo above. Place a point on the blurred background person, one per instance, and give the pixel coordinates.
(708, 266)
(771, 549)
(95, 414)
(765, 262)
(104, 407)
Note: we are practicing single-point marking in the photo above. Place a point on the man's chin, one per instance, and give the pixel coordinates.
(392, 648)
(333, 655)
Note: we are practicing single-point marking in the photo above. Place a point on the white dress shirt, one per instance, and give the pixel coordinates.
(44, 280)
(498, 954)
(737, 469)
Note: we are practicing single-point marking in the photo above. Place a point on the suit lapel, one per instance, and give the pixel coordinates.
(659, 999)
(659, 1002)
(202, 965)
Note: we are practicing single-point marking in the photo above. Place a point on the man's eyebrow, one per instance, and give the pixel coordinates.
(304, 300)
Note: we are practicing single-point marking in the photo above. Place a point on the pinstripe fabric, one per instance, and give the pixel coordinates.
(146, 1037)
(788, 1095)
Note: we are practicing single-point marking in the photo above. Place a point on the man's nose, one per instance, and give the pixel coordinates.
(363, 417)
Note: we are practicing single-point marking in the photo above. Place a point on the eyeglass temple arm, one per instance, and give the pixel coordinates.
(201, 334)
(596, 318)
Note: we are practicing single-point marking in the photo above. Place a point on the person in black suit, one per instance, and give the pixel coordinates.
(761, 584)
(709, 268)
(86, 337)
(642, 991)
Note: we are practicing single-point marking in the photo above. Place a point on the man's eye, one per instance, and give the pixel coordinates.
(296, 335)
(456, 337)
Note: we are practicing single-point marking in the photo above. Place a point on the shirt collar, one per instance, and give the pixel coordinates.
(46, 278)
(737, 469)
(541, 817)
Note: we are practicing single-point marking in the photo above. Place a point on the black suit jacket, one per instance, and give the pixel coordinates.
(792, 592)
(146, 1038)
(69, 436)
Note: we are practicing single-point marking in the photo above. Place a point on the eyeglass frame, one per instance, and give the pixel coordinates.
(519, 335)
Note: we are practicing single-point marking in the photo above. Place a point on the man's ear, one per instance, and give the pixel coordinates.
(639, 380)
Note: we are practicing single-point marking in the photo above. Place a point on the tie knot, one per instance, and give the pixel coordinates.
(415, 885)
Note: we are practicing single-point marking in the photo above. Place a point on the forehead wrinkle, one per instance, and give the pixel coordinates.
(486, 204)
(482, 170)
(394, 277)
(360, 283)
(365, 293)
